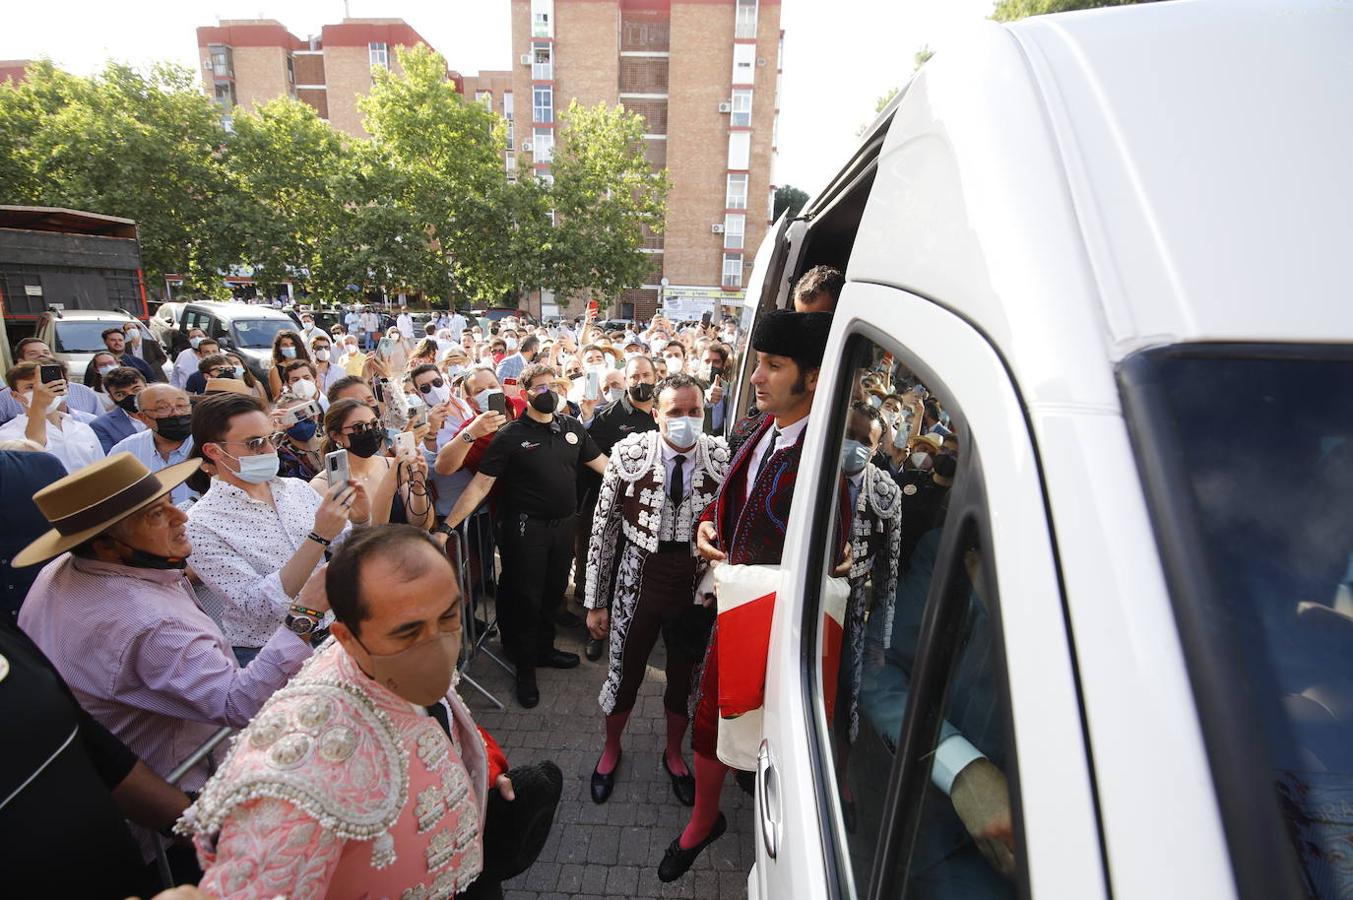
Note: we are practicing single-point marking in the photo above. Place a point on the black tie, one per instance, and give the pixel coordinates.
(770, 451)
(678, 490)
(438, 712)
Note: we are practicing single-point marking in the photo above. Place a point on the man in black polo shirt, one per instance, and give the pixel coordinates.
(631, 414)
(538, 457)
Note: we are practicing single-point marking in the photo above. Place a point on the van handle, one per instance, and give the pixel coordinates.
(767, 798)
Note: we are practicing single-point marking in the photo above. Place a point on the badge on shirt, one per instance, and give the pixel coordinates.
(909, 489)
(571, 438)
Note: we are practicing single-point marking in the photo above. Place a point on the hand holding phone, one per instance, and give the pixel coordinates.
(336, 469)
(405, 444)
(592, 385)
(498, 403)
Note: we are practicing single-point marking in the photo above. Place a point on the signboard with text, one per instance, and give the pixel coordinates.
(689, 304)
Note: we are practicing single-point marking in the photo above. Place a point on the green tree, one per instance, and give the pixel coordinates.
(788, 197)
(1011, 10)
(604, 194)
(285, 166)
(921, 57)
(142, 146)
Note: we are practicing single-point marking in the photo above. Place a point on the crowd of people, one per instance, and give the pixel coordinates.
(191, 549)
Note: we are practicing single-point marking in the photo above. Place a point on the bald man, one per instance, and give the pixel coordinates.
(167, 414)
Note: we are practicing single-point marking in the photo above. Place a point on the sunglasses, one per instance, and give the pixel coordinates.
(258, 444)
(363, 427)
(427, 388)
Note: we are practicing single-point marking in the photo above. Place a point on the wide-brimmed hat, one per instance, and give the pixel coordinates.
(227, 385)
(89, 502)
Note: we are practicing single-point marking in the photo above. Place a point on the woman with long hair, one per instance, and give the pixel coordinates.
(255, 386)
(287, 347)
(101, 363)
(398, 486)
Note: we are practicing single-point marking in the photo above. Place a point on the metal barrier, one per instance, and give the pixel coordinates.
(174, 777)
(473, 538)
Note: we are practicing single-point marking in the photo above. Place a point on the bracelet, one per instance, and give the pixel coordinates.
(323, 542)
(305, 611)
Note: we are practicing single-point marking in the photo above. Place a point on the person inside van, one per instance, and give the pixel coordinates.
(819, 289)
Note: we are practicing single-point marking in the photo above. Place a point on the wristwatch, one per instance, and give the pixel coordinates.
(467, 437)
(302, 621)
(445, 529)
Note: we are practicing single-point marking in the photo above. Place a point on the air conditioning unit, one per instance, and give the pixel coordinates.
(725, 107)
(716, 229)
(526, 59)
(527, 146)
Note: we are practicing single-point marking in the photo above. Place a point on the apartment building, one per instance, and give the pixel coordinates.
(705, 76)
(246, 62)
(15, 70)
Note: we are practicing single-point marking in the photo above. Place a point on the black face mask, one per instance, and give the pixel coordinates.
(127, 404)
(174, 428)
(140, 559)
(642, 393)
(545, 402)
(366, 444)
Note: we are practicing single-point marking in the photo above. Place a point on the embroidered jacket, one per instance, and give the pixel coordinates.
(340, 788)
(634, 508)
(876, 548)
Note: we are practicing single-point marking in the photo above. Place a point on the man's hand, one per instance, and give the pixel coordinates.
(715, 392)
(333, 512)
(707, 543)
(44, 393)
(599, 622)
(504, 785)
(437, 417)
(486, 423)
(981, 797)
(312, 594)
(843, 567)
(586, 408)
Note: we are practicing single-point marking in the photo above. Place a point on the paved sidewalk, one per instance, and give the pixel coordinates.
(610, 850)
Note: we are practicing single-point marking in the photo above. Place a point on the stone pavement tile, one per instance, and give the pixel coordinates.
(610, 849)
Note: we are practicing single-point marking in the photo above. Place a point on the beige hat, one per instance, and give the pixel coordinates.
(227, 385)
(89, 502)
(934, 440)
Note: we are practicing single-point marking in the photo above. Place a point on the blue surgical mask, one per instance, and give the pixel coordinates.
(258, 469)
(854, 457)
(684, 431)
(195, 341)
(104, 370)
(289, 352)
(302, 431)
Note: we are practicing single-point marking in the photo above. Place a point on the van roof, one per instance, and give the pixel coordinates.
(1133, 176)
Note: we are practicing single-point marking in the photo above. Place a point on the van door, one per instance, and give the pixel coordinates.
(922, 737)
(765, 287)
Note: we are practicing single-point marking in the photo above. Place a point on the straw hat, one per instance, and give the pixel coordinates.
(89, 502)
(227, 385)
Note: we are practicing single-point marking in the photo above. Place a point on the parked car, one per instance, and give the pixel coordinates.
(1113, 246)
(75, 335)
(164, 324)
(247, 329)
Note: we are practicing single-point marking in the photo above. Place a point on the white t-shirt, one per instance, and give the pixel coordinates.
(74, 443)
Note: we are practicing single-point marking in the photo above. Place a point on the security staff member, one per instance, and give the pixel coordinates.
(631, 414)
(538, 457)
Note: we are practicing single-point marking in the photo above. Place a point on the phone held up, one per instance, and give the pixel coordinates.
(336, 469)
(50, 372)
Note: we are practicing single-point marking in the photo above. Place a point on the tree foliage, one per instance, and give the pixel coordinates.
(788, 197)
(423, 205)
(1011, 10)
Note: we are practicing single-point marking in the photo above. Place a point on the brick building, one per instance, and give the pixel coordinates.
(15, 70)
(246, 62)
(704, 74)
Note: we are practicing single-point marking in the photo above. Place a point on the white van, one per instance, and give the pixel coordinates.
(1115, 247)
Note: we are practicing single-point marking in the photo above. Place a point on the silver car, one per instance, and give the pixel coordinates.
(75, 335)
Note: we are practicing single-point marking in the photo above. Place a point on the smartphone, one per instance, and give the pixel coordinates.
(715, 372)
(418, 417)
(378, 390)
(384, 348)
(592, 386)
(310, 410)
(404, 442)
(50, 372)
(336, 468)
(706, 319)
(498, 403)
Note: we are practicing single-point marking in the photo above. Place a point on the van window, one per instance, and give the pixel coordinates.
(896, 463)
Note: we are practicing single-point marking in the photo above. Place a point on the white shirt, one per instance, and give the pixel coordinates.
(669, 455)
(404, 322)
(142, 446)
(457, 325)
(184, 367)
(370, 322)
(239, 547)
(786, 437)
(74, 443)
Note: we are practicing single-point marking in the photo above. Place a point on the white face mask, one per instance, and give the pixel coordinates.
(104, 370)
(481, 399)
(684, 431)
(657, 345)
(675, 364)
(438, 395)
(920, 460)
(614, 394)
(511, 344)
(322, 355)
(195, 341)
(305, 389)
(51, 407)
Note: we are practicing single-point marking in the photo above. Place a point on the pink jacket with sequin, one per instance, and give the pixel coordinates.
(340, 788)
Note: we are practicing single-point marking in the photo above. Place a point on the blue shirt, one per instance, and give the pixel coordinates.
(142, 446)
(115, 425)
(511, 367)
(22, 474)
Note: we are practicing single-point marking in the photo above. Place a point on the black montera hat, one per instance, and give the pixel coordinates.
(802, 336)
(515, 831)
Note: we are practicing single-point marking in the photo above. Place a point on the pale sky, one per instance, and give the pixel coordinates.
(840, 55)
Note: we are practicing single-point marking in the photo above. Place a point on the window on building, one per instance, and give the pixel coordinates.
(734, 226)
(512, 165)
(742, 108)
(732, 270)
(543, 143)
(225, 95)
(737, 192)
(379, 54)
(507, 114)
(484, 99)
(542, 62)
(744, 63)
(770, 205)
(540, 24)
(222, 62)
(740, 150)
(542, 105)
(745, 24)
(291, 71)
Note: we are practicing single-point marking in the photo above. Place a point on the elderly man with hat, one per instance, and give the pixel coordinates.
(117, 616)
(745, 525)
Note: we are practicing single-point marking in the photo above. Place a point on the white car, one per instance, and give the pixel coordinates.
(75, 335)
(1114, 247)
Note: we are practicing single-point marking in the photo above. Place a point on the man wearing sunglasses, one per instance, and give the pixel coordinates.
(537, 457)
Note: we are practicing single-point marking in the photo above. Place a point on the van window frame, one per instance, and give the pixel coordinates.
(906, 786)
